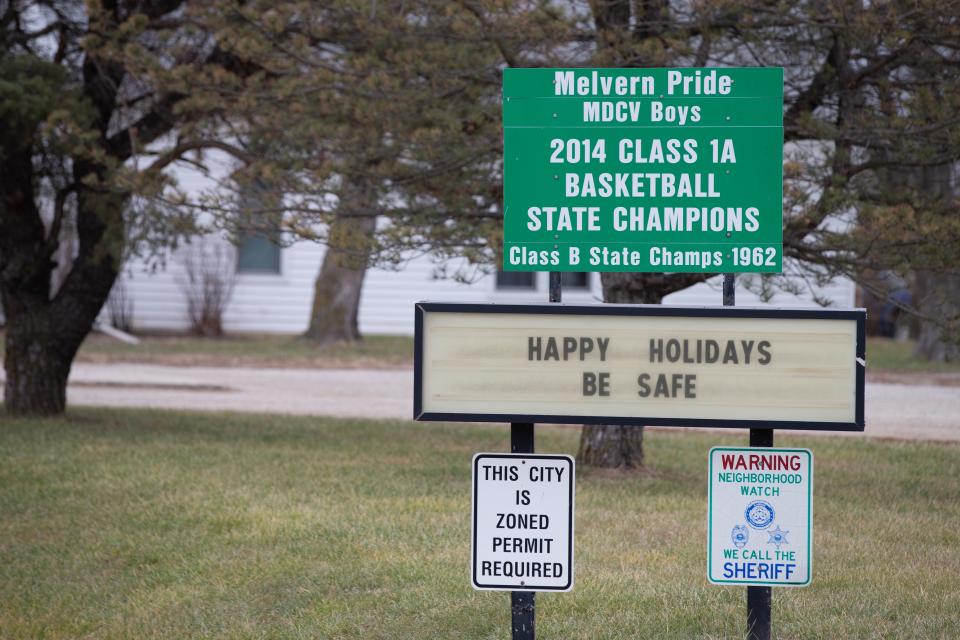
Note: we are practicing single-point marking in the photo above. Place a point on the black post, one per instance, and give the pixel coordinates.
(759, 602)
(729, 291)
(759, 599)
(761, 437)
(555, 286)
(523, 612)
(521, 437)
(523, 604)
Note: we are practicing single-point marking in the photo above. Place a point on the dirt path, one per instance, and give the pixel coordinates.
(894, 410)
(362, 393)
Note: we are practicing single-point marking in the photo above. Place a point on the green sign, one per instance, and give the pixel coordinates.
(663, 170)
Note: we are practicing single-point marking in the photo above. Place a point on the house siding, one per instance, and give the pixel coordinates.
(280, 303)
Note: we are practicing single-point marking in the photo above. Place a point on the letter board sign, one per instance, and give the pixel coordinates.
(640, 364)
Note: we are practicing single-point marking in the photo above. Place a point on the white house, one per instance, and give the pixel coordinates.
(273, 286)
(273, 292)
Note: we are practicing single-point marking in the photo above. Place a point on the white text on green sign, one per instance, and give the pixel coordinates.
(643, 169)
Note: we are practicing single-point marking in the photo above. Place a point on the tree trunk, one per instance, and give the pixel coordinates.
(620, 446)
(611, 446)
(44, 328)
(336, 301)
(938, 296)
(621, 26)
(336, 293)
(37, 363)
(43, 336)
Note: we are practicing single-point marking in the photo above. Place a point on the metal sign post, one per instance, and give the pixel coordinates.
(523, 604)
(759, 599)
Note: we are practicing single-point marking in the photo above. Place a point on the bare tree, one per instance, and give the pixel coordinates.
(120, 307)
(209, 274)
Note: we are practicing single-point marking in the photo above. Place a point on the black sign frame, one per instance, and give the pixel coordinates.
(473, 518)
(858, 315)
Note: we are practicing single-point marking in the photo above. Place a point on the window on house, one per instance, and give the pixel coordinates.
(258, 253)
(258, 246)
(516, 280)
(575, 279)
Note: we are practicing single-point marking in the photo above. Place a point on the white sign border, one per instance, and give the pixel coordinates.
(751, 583)
(473, 520)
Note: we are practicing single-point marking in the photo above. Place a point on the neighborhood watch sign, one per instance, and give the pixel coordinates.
(760, 516)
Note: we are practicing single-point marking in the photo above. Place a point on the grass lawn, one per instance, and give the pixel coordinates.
(897, 355)
(148, 524)
(252, 350)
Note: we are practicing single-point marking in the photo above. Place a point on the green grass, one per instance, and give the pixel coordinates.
(884, 354)
(144, 524)
(248, 350)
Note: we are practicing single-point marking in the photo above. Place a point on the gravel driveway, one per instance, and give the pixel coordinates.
(894, 410)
